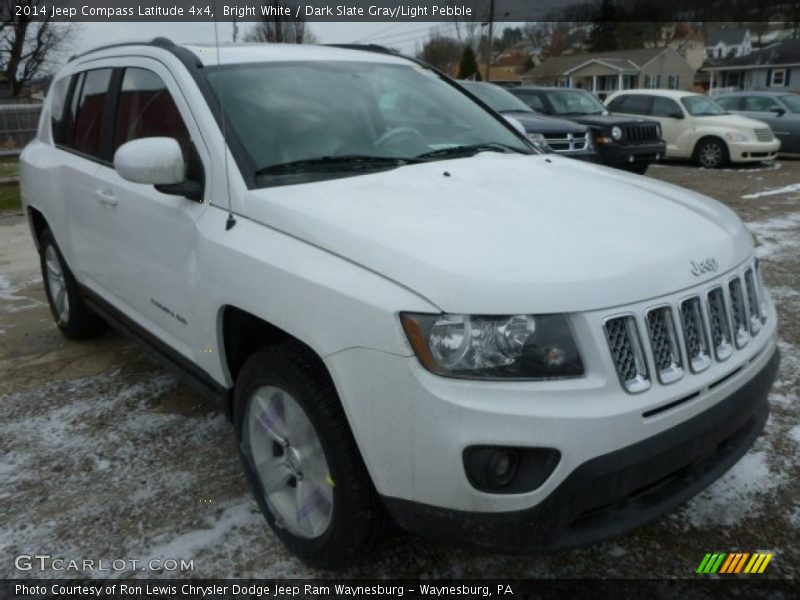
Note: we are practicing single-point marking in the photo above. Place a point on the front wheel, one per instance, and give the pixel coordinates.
(711, 153)
(301, 459)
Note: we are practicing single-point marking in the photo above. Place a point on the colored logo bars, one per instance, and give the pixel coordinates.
(737, 562)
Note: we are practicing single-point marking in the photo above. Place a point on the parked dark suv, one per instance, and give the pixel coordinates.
(548, 133)
(623, 142)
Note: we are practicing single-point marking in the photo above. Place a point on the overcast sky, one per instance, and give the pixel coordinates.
(402, 35)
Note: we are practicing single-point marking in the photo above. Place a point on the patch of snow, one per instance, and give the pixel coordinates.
(794, 187)
(733, 497)
(776, 235)
(794, 433)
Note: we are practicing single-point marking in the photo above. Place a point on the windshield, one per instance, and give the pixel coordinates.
(700, 106)
(497, 98)
(793, 102)
(330, 117)
(574, 102)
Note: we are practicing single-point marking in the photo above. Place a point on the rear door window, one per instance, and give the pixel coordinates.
(665, 107)
(58, 113)
(89, 111)
(632, 104)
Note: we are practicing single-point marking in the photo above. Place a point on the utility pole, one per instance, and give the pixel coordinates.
(491, 41)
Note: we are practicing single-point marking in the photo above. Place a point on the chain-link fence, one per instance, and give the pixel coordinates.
(18, 124)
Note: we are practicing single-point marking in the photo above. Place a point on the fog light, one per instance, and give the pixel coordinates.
(507, 470)
(501, 467)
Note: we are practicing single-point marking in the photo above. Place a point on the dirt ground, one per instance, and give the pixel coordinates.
(104, 455)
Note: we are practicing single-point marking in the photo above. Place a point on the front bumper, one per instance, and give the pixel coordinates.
(618, 491)
(616, 155)
(753, 151)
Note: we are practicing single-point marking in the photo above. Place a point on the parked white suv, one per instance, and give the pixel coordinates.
(696, 127)
(405, 309)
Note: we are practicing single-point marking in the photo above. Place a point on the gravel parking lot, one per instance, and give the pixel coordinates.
(104, 455)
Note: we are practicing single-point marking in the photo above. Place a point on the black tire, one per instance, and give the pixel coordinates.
(711, 153)
(78, 321)
(358, 517)
(640, 168)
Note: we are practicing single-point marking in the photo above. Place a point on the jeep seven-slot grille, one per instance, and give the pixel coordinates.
(645, 132)
(690, 333)
(763, 135)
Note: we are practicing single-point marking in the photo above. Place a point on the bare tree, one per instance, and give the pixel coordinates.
(441, 51)
(30, 47)
(281, 29)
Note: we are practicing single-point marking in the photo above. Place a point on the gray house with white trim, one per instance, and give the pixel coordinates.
(605, 72)
(774, 68)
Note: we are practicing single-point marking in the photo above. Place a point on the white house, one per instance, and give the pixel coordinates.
(727, 43)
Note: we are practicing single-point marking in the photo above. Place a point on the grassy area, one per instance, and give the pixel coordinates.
(9, 168)
(9, 198)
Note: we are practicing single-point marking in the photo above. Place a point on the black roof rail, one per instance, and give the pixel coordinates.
(160, 42)
(366, 48)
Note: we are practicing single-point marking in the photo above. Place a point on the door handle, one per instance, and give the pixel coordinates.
(106, 197)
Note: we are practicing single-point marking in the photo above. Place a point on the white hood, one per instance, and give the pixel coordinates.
(502, 233)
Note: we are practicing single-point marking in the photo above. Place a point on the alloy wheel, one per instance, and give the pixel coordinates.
(286, 455)
(57, 285)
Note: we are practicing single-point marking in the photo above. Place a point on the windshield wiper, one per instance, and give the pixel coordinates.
(471, 149)
(351, 161)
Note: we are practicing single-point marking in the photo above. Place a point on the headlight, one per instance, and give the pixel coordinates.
(735, 136)
(508, 347)
(616, 133)
(538, 140)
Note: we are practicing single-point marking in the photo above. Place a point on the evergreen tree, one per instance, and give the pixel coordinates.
(468, 67)
(603, 35)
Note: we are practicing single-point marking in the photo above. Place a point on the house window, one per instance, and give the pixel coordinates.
(652, 82)
(674, 82)
(778, 78)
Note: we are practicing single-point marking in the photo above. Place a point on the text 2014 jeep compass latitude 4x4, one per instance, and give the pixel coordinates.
(407, 310)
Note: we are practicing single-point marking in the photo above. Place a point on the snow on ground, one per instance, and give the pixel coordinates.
(734, 496)
(794, 187)
(776, 236)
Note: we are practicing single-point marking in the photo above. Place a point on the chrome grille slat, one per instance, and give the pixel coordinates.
(627, 353)
(694, 335)
(568, 142)
(752, 302)
(664, 344)
(763, 134)
(739, 316)
(719, 325)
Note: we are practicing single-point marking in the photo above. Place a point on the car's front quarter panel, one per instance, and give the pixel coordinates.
(325, 301)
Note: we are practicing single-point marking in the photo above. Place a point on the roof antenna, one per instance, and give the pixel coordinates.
(231, 221)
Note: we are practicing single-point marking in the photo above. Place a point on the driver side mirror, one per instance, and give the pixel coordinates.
(156, 161)
(778, 110)
(675, 114)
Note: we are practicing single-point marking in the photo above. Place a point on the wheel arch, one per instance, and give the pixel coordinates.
(712, 136)
(38, 224)
(243, 334)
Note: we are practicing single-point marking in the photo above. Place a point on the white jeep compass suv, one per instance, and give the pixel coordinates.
(406, 310)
